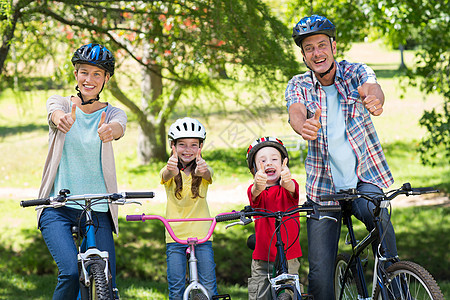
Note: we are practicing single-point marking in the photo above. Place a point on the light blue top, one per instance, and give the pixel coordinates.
(342, 156)
(80, 168)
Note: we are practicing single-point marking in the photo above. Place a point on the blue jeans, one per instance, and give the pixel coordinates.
(323, 239)
(176, 268)
(55, 225)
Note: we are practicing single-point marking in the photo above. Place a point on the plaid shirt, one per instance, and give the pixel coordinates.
(371, 162)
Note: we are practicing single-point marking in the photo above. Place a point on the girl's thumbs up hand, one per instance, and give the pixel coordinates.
(172, 163)
(202, 167)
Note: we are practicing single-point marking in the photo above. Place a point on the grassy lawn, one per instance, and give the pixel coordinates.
(24, 269)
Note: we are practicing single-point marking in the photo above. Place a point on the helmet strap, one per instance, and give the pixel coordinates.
(91, 100)
(180, 165)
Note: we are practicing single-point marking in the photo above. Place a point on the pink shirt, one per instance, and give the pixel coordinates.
(276, 198)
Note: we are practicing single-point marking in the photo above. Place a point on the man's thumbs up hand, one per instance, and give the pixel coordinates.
(312, 126)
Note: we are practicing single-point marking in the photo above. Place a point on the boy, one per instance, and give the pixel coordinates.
(273, 189)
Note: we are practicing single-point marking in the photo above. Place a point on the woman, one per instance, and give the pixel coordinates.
(81, 159)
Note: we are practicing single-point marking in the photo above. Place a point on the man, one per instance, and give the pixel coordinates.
(330, 107)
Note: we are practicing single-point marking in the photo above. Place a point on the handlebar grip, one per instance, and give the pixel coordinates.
(337, 197)
(228, 217)
(137, 195)
(424, 190)
(330, 208)
(134, 217)
(35, 202)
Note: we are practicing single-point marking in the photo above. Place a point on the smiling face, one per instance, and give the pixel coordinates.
(187, 149)
(271, 158)
(318, 52)
(90, 80)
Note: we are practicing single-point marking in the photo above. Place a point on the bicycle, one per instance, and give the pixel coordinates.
(195, 290)
(392, 278)
(93, 264)
(284, 286)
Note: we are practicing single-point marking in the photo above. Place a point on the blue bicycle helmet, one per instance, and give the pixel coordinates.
(95, 54)
(313, 25)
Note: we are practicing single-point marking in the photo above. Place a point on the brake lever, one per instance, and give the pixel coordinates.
(123, 202)
(243, 221)
(328, 217)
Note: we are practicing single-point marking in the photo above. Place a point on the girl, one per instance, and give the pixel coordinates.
(186, 178)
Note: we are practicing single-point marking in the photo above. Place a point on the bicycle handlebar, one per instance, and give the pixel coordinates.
(166, 222)
(351, 194)
(248, 212)
(115, 198)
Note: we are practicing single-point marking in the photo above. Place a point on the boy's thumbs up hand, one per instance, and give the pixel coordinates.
(105, 131)
(286, 178)
(312, 126)
(285, 172)
(260, 177)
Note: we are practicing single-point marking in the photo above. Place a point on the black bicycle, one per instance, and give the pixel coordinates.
(93, 264)
(392, 278)
(284, 286)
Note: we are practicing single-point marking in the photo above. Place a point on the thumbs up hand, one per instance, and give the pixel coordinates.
(172, 163)
(312, 126)
(66, 121)
(105, 131)
(202, 167)
(286, 180)
(260, 181)
(371, 102)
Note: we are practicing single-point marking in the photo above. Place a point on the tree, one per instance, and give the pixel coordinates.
(400, 21)
(177, 44)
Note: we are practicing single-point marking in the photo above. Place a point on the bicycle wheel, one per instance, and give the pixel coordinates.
(200, 296)
(351, 286)
(408, 280)
(98, 289)
(284, 296)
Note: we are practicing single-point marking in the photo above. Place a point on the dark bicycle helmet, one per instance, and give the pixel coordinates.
(313, 25)
(95, 54)
(186, 128)
(261, 143)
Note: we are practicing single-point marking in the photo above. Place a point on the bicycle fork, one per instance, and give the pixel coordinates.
(193, 273)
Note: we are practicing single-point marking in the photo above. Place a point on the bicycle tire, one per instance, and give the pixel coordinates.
(420, 284)
(98, 289)
(351, 284)
(284, 296)
(200, 297)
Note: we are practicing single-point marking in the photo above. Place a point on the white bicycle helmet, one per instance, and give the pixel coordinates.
(186, 128)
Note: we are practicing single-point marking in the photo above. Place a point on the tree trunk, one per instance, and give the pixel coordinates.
(151, 139)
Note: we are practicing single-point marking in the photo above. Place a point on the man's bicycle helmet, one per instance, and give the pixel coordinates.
(261, 143)
(186, 128)
(313, 25)
(95, 54)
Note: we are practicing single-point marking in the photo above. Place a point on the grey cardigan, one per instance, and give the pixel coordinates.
(56, 144)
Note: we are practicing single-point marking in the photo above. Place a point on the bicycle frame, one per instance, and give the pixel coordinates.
(91, 261)
(89, 253)
(194, 284)
(358, 247)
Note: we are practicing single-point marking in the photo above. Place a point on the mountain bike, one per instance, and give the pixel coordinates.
(195, 290)
(284, 286)
(93, 264)
(392, 278)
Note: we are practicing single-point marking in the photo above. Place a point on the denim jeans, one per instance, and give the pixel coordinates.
(323, 238)
(176, 268)
(55, 225)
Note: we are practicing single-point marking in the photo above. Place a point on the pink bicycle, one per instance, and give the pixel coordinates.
(195, 290)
